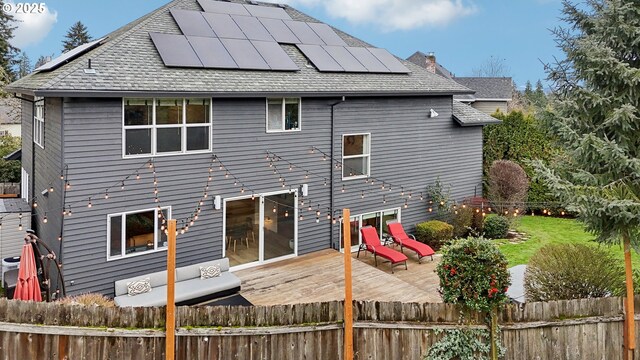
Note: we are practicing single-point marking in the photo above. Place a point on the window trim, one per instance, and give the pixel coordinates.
(38, 122)
(154, 127)
(368, 155)
(123, 254)
(283, 130)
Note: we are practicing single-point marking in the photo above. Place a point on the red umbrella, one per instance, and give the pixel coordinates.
(27, 287)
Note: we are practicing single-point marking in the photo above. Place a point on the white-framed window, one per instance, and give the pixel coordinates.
(166, 126)
(38, 121)
(24, 185)
(356, 156)
(377, 219)
(136, 233)
(284, 114)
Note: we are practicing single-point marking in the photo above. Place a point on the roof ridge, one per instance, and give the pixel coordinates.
(143, 20)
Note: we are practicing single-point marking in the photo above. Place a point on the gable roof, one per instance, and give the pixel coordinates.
(466, 115)
(127, 63)
(488, 88)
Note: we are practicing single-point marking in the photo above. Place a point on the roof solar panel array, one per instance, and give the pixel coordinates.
(242, 36)
(69, 55)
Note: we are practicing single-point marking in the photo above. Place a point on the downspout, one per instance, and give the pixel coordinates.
(333, 141)
(33, 157)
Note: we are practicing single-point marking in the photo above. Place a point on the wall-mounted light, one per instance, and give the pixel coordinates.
(217, 202)
(433, 113)
(304, 189)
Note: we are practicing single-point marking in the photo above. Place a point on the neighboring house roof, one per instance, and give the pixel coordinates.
(488, 88)
(14, 205)
(16, 155)
(127, 62)
(419, 58)
(465, 115)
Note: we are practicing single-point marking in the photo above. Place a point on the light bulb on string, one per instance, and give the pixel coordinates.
(382, 187)
(310, 208)
(205, 195)
(89, 204)
(300, 218)
(402, 191)
(106, 194)
(324, 157)
(317, 220)
(409, 194)
(50, 189)
(20, 227)
(35, 203)
(242, 190)
(325, 181)
(67, 185)
(69, 212)
(20, 216)
(122, 185)
(362, 195)
(343, 189)
(62, 176)
(290, 167)
(406, 204)
(328, 216)
(421, 197)
(384, 199)
(226, 174)
(195, 217)
(274, 209)
(430, 209)
(253, 196)
(45, 220)
(235, 182)
(306, 175)
(286, 213)
(333, 221)
(137, 175)
(210, 178)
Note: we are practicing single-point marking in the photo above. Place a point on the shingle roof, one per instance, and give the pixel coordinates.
(128, 62)
(465, 115)
(494, 88)
(419, 58)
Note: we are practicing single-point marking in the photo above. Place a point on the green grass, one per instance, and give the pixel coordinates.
(549, 230)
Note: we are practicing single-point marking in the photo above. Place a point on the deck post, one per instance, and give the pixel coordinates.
(348, 296)
(170, 323)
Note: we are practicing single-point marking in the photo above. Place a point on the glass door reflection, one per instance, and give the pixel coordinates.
(279, 225)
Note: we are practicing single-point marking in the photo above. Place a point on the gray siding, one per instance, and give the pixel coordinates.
(407, 148)
(490, 107)
(27, 136)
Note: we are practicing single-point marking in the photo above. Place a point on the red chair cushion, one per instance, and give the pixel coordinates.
(400, 236)
(371, 239)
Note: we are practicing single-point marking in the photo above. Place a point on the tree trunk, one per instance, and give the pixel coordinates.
(629, 331)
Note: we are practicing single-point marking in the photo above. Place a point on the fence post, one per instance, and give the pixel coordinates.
(170, 325)
(348, 296)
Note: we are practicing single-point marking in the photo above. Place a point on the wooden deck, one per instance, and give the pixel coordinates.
(319, 277)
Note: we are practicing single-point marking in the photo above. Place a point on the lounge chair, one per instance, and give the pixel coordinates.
(401, 238)
(371, 243)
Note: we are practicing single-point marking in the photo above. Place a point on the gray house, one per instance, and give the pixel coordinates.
(490, 93)
(251, 124)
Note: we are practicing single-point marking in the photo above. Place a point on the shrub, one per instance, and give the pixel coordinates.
(462, 221)
(89, 299)
(508, 185)
(572, 271)
(496, 227)
(434, 233)
(440, 199)
(473, 272)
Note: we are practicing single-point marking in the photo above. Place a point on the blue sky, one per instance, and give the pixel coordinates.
(463, 33)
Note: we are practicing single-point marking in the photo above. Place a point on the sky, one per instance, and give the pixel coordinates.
(463, 34)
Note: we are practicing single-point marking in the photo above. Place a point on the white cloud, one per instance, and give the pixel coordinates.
(31, 27)
(393, 14)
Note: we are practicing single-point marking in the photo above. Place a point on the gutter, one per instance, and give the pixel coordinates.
(331, 196)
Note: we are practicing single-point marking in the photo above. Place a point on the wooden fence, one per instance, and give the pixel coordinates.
(9, 189)
(578, 329)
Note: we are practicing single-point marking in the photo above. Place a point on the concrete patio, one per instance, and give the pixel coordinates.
(319, 277)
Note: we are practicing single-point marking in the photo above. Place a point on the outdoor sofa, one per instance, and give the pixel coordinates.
(190, 288)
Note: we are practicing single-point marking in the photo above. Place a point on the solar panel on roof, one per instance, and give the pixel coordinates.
(244, 54)
(390, 61)
(304, 33)
(211, 52)
(192, 23)
(326, 33)
(274, 55)
(175, 50)
(252, 28)
(224, 26)
(268, 12)
(344, 58)
(222, 7)
(368, 60)
(279, 31)
(320, 58)
(69, 55)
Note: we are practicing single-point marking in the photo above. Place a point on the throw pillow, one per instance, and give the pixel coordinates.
(139, 287)
(208, 272)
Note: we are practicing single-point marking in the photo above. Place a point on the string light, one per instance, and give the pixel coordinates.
(20, 227)
(286, 213)
(299, 218)
(89, 204)
(406, 204)
(62, 176)
(67, 185)
(106, 194)
(362, 195)
(45, 220)
(343, 189)
(137, 175)
(328, 216)
(402, 191)
(122, 185)
(384, 199)
(50, 189)
(317, 219)
(35, 203)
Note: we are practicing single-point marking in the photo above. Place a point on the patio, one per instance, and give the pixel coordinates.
(319, 277)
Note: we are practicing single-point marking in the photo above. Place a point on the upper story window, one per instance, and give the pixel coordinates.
(166, 126)
(38, 121)
(283, 114)
(136, 232)
(356, 156)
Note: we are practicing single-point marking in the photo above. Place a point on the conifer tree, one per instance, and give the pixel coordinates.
(595, 115)
(24, 65)
(76, 36)
(8, 52)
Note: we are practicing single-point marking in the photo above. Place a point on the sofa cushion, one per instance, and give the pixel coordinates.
(193, 288)
(138, 287)
(155, 279)
(157, 297)
(208, 272)
(193, 271)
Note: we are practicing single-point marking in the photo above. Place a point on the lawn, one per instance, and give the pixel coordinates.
(549, 230)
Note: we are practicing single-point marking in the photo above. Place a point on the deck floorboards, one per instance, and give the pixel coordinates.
(319, 277)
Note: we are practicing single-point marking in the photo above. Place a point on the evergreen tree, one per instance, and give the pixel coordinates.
(24, 65)
(76, 36)
(528, 90)
(596, 117)
(539, 96)
(42, 60)
(8, 52)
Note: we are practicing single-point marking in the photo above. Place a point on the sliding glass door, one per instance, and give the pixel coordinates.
(260, 229)
(376, 219)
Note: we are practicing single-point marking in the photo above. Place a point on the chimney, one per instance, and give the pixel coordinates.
(431, 62)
